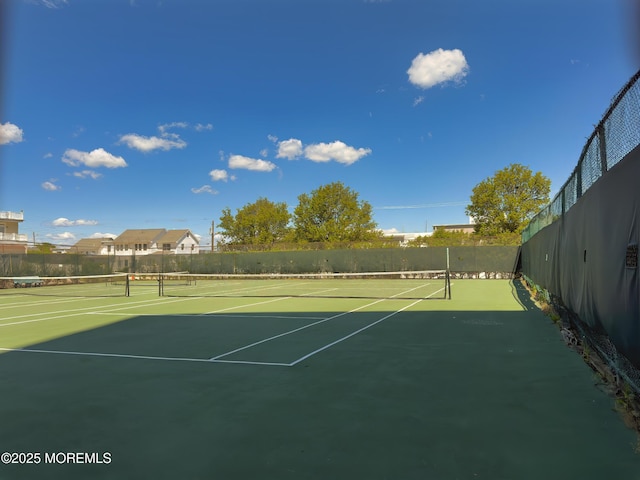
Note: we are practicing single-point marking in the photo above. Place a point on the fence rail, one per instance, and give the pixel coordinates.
(613, 138)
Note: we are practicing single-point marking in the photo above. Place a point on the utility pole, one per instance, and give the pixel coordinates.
(212, 232)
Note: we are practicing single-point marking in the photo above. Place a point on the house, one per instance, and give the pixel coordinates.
(179, 242)
(458, 227)
(10, 240)
(155, 240)
(138, 241)
(93, 246)
(403, 239)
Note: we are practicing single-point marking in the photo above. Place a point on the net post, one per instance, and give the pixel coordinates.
(160, 285)
(448, 277)
(448, 284)
(126, 285)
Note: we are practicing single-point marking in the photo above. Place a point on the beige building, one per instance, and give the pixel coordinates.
(461, 227)
(155, 240)
(11, 241)
(93, 246)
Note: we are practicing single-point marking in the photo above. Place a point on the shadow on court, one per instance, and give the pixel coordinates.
(422, 394)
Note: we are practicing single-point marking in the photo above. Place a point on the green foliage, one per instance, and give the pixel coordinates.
(508, 200)
(333, 213)
(260, 223)
(45, 247)
(444, 238)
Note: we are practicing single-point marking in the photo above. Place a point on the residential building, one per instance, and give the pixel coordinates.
(154, 241)
(403, 239)
(180, 242)
(11, 241)
(93, 246)
(458, 227)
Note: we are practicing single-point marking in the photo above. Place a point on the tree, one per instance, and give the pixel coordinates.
(333, 213)
(260, 223)
(44, 247)
(508, 200)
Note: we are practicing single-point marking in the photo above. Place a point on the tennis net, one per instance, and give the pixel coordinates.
(112, 285)
(429, 284)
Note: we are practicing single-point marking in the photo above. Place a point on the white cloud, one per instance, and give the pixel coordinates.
(61, 237)
(219, 175)
(204, 189)
(87, 174)
(103, 235)
(338, 151)
(163, 128)
(238, 161)
(202, 127)
(417, 101)
(50, 186)
(78, 131)
(51, 3)
(148, 144)
(439, 66)
(10, 133)
(48, 155)
(94, 159)
(272, 138)
(65, 222)
(289, 149)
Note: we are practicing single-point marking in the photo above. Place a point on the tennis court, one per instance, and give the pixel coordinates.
(236, 378)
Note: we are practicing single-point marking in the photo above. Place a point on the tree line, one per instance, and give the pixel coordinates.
(332, 213)
(501, 205)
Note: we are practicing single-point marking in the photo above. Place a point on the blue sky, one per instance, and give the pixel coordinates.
(160, 113)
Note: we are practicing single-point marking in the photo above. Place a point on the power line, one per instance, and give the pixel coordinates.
(426, 205)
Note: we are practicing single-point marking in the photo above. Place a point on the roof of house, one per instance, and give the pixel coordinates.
(174, 236)
(91, 243)
(144, 235)
(455, 225)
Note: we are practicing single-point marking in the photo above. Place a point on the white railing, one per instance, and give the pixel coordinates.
(19, 216)
(14, 237)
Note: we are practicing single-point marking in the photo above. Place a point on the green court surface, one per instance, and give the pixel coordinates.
(371, 386)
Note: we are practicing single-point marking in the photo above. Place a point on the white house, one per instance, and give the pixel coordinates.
(93, 246)
(155, 240)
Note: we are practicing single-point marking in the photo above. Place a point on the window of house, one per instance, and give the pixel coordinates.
(166, 246)
(144, 247)
(182, 246)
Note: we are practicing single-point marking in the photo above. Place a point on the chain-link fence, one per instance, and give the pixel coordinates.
(582, 248)
(615, 136)
(476, 261)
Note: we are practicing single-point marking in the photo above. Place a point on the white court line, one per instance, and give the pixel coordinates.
(80, 311)
(335, 342)
(223, 293)
(217, 359)
(313, 324)
(329, 345)
(48, 299)
(246, 305)
(293, 331)
(138, 357)
(134, 304)
(45, 302)
(213, 315)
